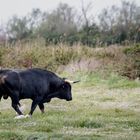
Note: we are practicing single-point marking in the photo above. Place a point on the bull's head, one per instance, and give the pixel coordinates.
(65, 90)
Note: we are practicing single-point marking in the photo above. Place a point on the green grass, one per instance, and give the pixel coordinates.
(105, 79)
(101, 110)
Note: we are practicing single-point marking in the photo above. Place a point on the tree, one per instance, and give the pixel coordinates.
(3, 37)
(58, 24)
(120, 24)
(17, 28)
(108, 17)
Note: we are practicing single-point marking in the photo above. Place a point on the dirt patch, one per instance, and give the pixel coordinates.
(89, 64)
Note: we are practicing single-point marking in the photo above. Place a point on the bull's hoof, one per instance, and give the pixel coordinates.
(20, 117)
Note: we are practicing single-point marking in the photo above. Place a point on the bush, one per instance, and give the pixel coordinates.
(132, 70)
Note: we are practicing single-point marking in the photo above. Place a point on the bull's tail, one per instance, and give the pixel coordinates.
(3, 93)
(4, 88)
(2, 79)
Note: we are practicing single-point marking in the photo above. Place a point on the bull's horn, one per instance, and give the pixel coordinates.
(71, 82)
(76, 81)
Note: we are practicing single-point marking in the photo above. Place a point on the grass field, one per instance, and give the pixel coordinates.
(101, 109)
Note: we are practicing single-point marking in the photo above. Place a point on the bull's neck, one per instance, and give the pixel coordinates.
(53, 95)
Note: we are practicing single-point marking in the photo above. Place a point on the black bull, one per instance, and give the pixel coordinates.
(36, 84)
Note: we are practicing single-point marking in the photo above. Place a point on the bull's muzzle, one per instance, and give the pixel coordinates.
(69, 99)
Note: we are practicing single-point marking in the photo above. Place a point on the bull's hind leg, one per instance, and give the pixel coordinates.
(16, 104)
(16, 108)
(34, 105)
(41, 107)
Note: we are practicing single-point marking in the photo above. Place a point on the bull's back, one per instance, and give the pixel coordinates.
(36, 82)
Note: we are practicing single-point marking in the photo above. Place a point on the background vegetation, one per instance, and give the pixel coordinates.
(125, 61)
(114, 25)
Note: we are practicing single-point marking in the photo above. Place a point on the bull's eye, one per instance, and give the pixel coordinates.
(63, 86)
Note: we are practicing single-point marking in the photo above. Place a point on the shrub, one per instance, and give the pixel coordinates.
(132, 70)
